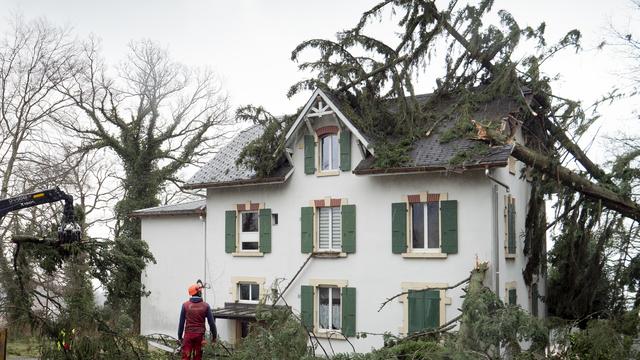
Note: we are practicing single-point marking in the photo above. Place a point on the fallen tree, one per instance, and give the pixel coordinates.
(369, 76)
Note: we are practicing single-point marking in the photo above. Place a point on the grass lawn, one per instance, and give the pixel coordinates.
(23, 346)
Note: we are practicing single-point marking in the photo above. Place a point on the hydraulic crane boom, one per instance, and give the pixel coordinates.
(68, 231)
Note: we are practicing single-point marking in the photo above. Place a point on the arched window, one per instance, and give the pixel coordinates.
(330, 159)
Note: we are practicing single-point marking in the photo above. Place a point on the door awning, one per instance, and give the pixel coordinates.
(239, 311)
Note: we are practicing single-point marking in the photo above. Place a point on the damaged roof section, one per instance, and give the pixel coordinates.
(222, 170)
(438, 151)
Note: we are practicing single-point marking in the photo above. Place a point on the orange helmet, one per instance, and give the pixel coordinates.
(194, 289)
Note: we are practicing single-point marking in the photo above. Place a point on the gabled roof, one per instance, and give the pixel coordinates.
(331, 103)
(198, 207)
(222, 171)
(427, 154)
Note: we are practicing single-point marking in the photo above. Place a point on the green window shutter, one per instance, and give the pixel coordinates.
(306, 226)
(230, 231)
(449, 229)
(345, 150)
(416, 311)
(349, 229)
(306, 306)
(424, 310)
(432, 309)
(309, 154)
(513, 300)
(511, 217)
(265, 230)
(534, 299)
(349, 311)
(399, 228)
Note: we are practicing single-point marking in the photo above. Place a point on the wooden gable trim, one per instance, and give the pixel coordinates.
(303, 115)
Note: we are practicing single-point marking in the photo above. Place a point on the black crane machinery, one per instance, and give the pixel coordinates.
(69, 231)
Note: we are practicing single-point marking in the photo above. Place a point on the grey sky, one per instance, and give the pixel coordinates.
(248, 42)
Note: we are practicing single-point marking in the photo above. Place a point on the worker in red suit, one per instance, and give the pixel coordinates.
(192, 316)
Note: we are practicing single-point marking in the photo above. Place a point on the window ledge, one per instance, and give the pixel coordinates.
(510, 256)
(328, 173)
(329, 254)
(247, 254)
(420, 255)
(333, 335)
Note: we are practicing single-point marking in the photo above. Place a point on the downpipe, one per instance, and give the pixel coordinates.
(496, 235)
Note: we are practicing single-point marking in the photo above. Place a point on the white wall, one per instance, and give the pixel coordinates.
(511, 269)
(177, 243)
(373, 270)
(376, 273)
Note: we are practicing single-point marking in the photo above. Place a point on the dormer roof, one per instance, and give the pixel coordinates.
(321, 104)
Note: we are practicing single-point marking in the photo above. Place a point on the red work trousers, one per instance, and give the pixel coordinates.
(192, 343)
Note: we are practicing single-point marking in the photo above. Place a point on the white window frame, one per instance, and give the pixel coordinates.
(331, 239)
(239, 292)
(332, 167)
(317, 303)
(240, 232)
(426, 249)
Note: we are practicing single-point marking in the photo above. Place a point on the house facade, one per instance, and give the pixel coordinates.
(333, 237)
(176, 238)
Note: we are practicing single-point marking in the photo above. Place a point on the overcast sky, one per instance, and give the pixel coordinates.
(249, 42)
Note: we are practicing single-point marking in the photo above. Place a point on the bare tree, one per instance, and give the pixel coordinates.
(156, 116)
(35, 58)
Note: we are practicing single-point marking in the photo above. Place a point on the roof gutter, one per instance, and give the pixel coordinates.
(422, 169)
(201, 212)
(487, 173)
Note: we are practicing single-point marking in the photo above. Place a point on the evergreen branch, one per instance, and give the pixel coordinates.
(388, 300)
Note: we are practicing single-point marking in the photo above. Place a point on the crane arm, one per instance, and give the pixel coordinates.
(68, 231)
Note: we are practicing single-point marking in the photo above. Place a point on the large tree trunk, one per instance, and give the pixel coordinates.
(579, 183)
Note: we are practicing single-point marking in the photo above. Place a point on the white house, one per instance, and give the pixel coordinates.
(367, 233)
(176, 237)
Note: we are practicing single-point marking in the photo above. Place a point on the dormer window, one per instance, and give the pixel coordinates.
(330, 155)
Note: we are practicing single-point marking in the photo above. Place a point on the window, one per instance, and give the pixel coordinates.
(248, 292)
(424, 310)
(329, 308)
(329, 229)
(511, 294)
(247, 230)
(510, 225)
(330, 155)
(249, 234)
(424, 306)
(425, 226)
(513, 297)
(534, 299)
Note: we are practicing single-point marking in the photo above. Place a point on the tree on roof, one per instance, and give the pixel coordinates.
(480, 65)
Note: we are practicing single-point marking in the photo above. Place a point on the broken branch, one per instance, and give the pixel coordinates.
(425, 289)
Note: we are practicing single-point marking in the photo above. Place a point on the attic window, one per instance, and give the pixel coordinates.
(330, 156)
